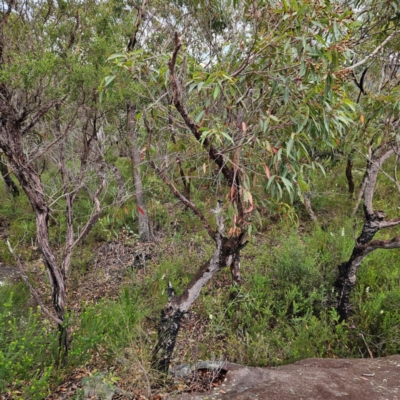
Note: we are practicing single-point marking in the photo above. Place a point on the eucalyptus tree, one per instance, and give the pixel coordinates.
(51, 60)
(375, 138)
(11, 187)
(243, 94)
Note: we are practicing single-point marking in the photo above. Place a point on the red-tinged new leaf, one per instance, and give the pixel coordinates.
(232, 191)
(267, 172)
(250, 209)
(140, 210)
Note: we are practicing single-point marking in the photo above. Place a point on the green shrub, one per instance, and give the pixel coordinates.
(27, 351)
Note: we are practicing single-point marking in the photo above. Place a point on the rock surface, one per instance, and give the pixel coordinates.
(310, 379)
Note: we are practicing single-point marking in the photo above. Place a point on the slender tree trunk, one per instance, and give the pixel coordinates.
(235, 269)
(374, 221)
(29, 179)
(360, 195)
(132, 135)
(346, 280)
(11, 187)
(225, 253)
(349, 175)
(307, 205)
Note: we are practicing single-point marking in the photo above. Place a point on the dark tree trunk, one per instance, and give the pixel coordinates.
(225, 254)
(348, 270)
(63, 345)
(29, 179)
(374, 221)
(235, 269)
(168, 330)
(349, 175)
(11, 187)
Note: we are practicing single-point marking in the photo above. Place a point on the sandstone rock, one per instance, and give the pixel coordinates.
(310, 379)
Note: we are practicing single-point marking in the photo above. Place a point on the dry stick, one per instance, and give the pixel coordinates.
(366, 345)
(363, 61)
(34, 293)
(96, 215)
(132, 41)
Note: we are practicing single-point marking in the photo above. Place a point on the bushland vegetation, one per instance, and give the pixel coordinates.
(193, 180)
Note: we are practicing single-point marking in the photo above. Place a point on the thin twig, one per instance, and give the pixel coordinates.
(363, 61)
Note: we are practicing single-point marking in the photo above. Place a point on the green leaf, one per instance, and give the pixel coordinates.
(289, 187)
(289, 145)
(200, 116)
(117, 55)
(217, 91)
(225, 135)
(108, 80)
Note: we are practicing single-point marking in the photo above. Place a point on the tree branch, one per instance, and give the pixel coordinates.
(363, 61)
(35, 119)
(212, 151)
(133, 40)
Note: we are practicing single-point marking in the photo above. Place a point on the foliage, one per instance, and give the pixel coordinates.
(27, 350)
(269, 86)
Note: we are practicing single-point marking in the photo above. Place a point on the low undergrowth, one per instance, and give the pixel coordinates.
(283, 312)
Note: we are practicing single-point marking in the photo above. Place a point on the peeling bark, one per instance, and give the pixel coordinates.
(171, 315)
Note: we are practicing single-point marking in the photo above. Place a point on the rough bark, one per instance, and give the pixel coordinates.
(349, 176)
(348, 272)
(307, 205)
(11, 187)
(231, 174)
(171, 315)
(11, 144)
(374, 221)
(132, 134)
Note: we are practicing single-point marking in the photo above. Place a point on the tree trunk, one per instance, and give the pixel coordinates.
(346, 281)
(132, 135)
(235, 269)
(349, 176)
(225, 254)
(360, 194)
(374, 221)
(11, 187)
(307, 205)
(29, 179)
